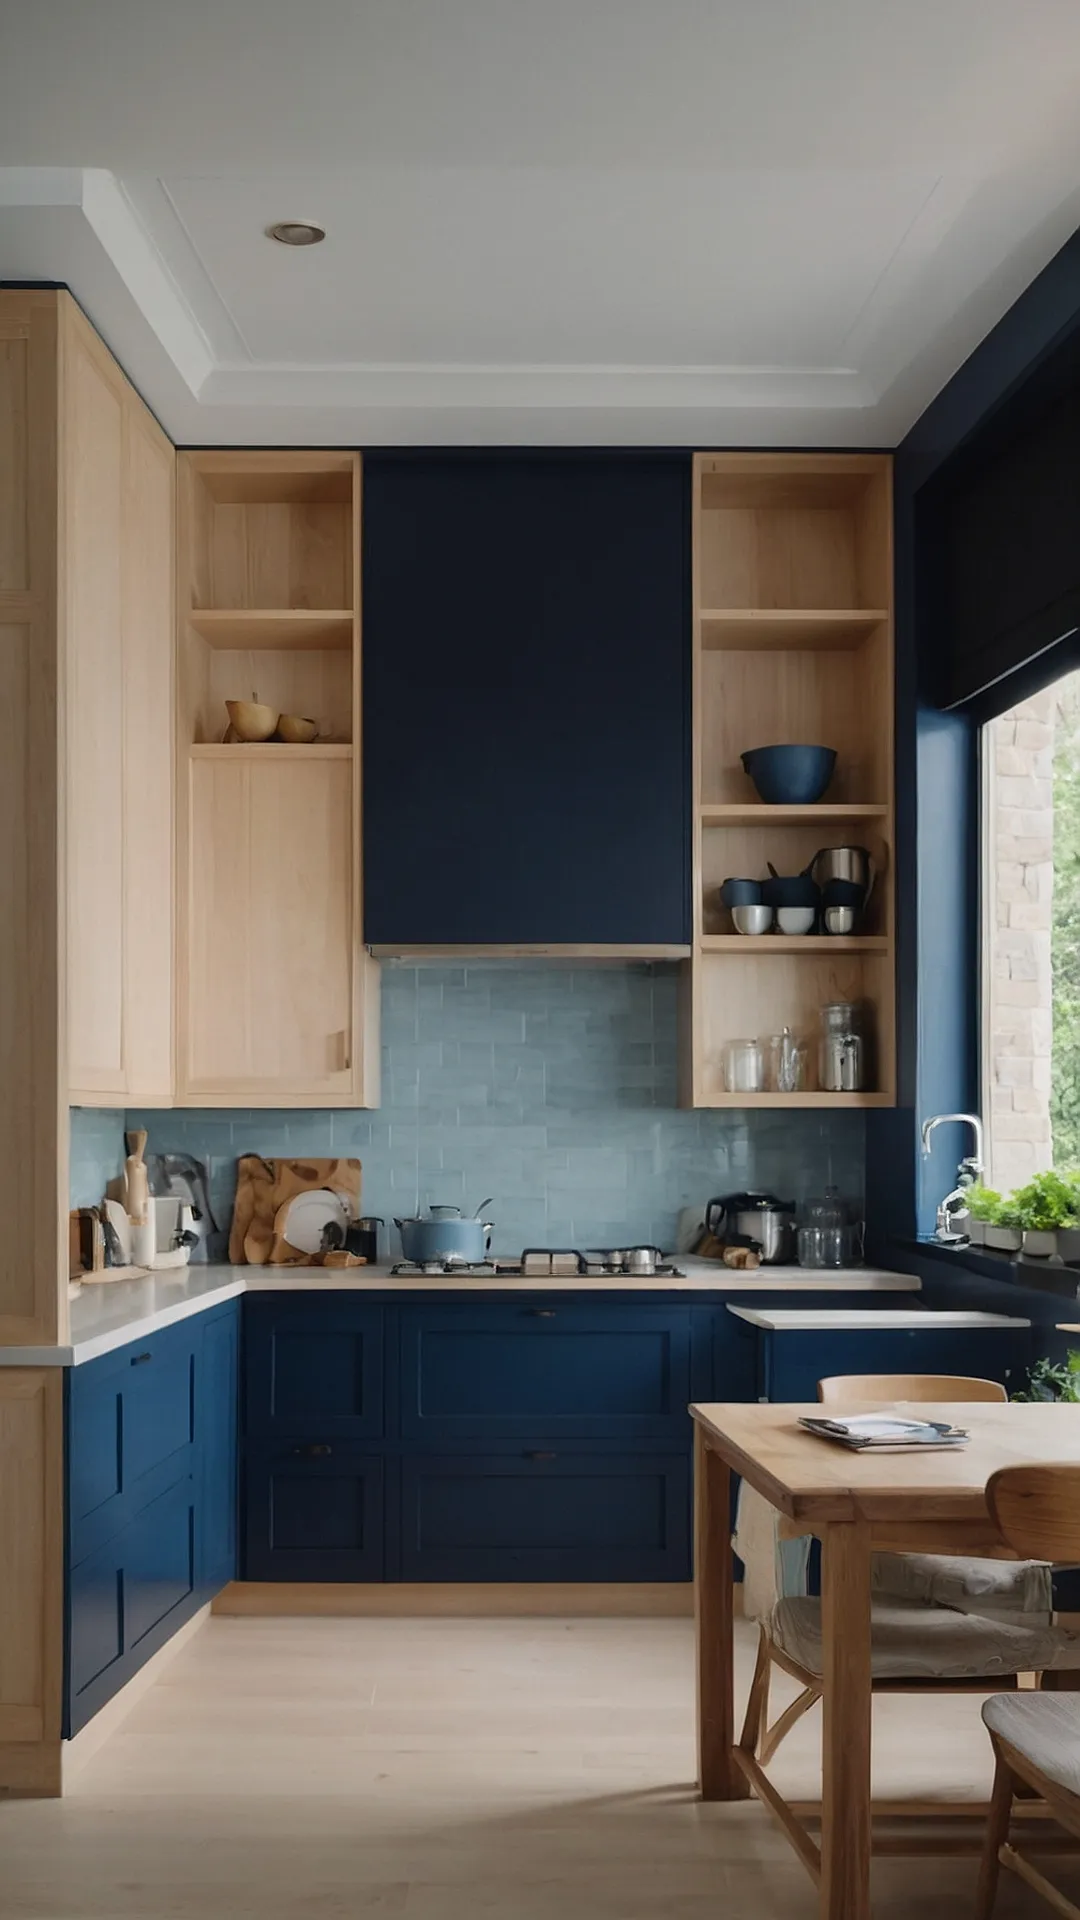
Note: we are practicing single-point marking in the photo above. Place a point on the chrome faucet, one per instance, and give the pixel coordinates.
(968, 1173)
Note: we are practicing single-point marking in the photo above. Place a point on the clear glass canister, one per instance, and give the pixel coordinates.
(787, 1063)
(744, 1066)
(842, 1053)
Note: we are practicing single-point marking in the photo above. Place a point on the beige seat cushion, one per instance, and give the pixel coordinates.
(994, 1587)
(912, 1642)
(1045, 1728)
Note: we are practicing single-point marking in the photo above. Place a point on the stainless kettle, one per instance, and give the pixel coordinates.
(856, 864)
(760, 1217)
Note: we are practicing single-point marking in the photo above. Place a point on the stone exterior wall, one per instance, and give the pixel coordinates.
(1020, 860)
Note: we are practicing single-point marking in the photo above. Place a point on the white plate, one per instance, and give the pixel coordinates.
(304, 1219)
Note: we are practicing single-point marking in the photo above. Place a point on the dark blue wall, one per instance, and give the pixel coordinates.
(937, 760)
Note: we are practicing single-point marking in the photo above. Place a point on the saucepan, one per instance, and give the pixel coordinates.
(444, 1235)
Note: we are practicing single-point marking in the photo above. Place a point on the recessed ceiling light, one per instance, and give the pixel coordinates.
(297, 233)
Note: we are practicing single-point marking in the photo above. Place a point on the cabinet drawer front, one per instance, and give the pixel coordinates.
(314, 1372)
(313, 1511)
(159, 1563)
(130, 1434)
(546, 1516)
(561, 1369)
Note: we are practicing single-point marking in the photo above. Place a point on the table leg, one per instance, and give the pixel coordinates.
(845, 1795)
(714, 1608)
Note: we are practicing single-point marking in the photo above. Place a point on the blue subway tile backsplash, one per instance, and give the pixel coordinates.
(96, 1153)
(552, 1089)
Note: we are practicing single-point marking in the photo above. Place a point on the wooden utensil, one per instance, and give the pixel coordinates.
(136, 1178)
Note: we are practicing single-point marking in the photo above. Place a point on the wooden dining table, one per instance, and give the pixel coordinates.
(856, 1504)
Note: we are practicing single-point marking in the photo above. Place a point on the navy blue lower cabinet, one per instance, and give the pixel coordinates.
(792, 1363)
(152, 1498)
(480, 1373)
(217, 1417)
(546, 1515)
(314, 1366)
(127, 1599)
(314, 1510)
(131, 1418)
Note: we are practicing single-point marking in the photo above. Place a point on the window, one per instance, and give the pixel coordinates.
(1031, 946)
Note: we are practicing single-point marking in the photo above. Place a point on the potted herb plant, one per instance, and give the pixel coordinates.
(982, 1205)
(1053, 1380)
(1045, 1205)
(1004, 1230)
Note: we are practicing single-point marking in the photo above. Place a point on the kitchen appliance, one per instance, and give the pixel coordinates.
(854, 864)
(752, 919)
(744, 1066)
(842, 1052)
(362, 1237)
(546, 1263)
(445, 1236)
(791, 776)
(760, 1217)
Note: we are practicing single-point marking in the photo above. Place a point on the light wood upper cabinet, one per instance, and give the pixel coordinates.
(117, 615)
(277, 1001)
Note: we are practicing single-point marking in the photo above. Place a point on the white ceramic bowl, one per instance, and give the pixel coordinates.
(795, 919)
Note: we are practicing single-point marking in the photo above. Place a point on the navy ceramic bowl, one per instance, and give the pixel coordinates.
(792, 890)
(742, 893)
(790, 776)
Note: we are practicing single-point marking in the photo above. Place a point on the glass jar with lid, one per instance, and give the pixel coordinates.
(842, 1052)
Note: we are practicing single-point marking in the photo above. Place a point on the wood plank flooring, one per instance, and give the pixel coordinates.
(450, 1769)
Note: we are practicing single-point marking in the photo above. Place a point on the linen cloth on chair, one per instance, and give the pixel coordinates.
(913, 1642)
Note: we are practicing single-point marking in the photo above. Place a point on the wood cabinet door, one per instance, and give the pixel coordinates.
(117, 606)
(93, 435)
(267, 969)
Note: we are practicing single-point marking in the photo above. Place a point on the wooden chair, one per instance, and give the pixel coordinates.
(999, 1589)
(919, 1642)
(1035, 1736)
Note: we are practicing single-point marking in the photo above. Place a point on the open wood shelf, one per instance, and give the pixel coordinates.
(796, 1100)
(271, 750)
(792, 641)
(293, 629)
(744, 628)
(764, 944)
(750, 813)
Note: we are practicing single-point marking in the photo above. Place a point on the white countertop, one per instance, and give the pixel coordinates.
(107, 1315)
(848, 1319)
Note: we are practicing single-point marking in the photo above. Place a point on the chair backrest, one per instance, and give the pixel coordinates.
(890, 1387)
(1037, 1510)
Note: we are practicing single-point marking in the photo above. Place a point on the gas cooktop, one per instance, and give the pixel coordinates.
(552, 1263)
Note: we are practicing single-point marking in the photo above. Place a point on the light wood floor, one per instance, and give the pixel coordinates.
(451, 1770)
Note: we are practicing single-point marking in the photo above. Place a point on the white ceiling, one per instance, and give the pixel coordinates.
(549, 221)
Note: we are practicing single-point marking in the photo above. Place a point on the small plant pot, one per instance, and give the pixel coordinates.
(1039, 1245)
(1068, 1245)
(976, 1231)
(1004, 1239)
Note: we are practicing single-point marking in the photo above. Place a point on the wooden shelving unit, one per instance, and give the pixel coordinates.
(793, 642)
(277, 999)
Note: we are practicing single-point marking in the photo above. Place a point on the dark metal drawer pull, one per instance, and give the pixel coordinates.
(140, 1359)
(319, 1451)
(540, 1454)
